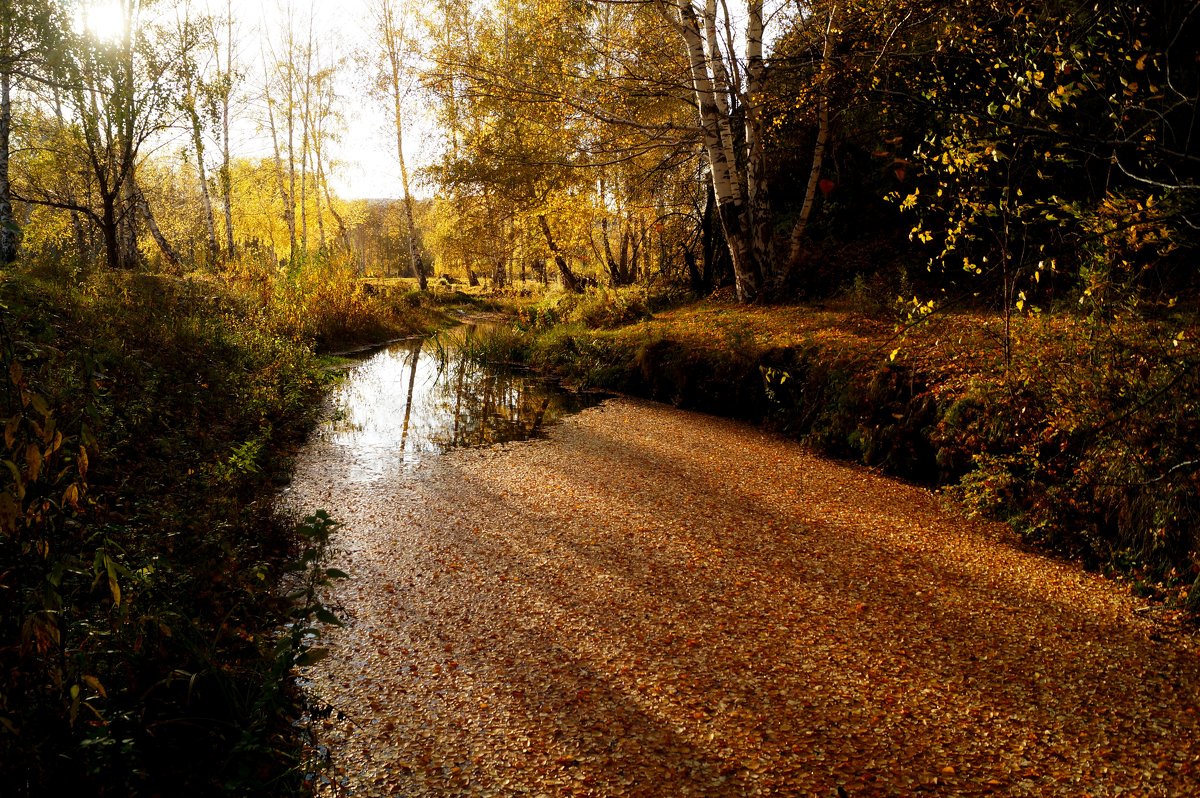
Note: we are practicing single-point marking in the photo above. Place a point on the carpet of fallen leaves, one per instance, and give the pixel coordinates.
(657, 603)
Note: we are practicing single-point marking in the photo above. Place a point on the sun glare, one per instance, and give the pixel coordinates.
(105, 21)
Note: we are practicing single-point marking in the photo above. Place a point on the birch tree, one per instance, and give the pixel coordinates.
(223, 88)
(393, 44)
(120, 93)
(719, 91)
(280, 91)
(197, 102)
(822, 141)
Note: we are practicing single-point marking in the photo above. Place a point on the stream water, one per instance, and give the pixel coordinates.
(420, 397)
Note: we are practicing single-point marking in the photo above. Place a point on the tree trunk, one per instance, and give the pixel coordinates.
(143, 208)
(226, 177)
(210, 224)
(108, 227)
(414, 250)
(9, 232)
(289, 210)
(614, 271)
(726, 185)
(628, 262)
(569, 281)
(796, 247)
(694, 279)
(392, 41)
(305, 136)
(637, 242)
(343, 233)
(129, 253)
(757, 198)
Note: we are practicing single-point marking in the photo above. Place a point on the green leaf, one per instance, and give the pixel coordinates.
(325, 616)
(311, 656)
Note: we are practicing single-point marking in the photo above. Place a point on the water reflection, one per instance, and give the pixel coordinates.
(416, 398)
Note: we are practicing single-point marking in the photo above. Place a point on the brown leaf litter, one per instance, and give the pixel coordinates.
(658, 603)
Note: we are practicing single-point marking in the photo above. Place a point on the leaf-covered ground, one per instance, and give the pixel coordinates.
(658, 603)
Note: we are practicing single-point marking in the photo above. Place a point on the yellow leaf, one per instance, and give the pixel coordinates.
(94, 683)
(113, 587)
(33, 460)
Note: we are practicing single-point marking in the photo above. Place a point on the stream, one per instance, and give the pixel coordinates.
(648, 603)
(421, 397)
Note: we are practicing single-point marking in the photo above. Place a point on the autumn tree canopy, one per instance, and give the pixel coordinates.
(784, 149)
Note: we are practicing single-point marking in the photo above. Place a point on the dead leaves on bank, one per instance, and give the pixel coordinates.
(657, 603)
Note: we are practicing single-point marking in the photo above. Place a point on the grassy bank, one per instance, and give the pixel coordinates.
(148, 420)
(1083, 437)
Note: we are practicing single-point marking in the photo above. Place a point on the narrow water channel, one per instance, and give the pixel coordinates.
(651, 603)
(420, 397)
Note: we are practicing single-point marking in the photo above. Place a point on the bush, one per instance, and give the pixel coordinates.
(597, 308)
(145, 417)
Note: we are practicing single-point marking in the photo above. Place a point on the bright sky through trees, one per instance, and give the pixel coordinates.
(364, 153)
(104, 20)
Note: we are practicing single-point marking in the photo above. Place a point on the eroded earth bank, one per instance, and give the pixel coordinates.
(657, 603)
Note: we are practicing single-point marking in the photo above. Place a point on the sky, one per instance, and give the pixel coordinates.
(365, 155)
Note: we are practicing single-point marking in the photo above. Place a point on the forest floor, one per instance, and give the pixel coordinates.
(654, 602)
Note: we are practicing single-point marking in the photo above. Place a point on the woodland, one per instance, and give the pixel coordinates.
(955, 241)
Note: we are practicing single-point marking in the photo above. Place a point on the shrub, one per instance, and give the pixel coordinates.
(147, 415)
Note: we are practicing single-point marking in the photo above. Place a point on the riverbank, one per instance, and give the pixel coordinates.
(1075, 430)
(148, 421)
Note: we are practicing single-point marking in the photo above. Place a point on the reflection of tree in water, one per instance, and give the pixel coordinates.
(418, 397)
(487, 405)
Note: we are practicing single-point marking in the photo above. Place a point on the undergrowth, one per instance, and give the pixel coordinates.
(1084, 441)
(147, 420)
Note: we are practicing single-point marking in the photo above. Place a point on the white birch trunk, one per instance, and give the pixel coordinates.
(289, 215)
(392, 40)
(9, 234)
(726, 186)
(143, 209)
(226, 177)
(210, 224)
(290, 75)
(722, 95)
(306, 124)
(796, 247)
